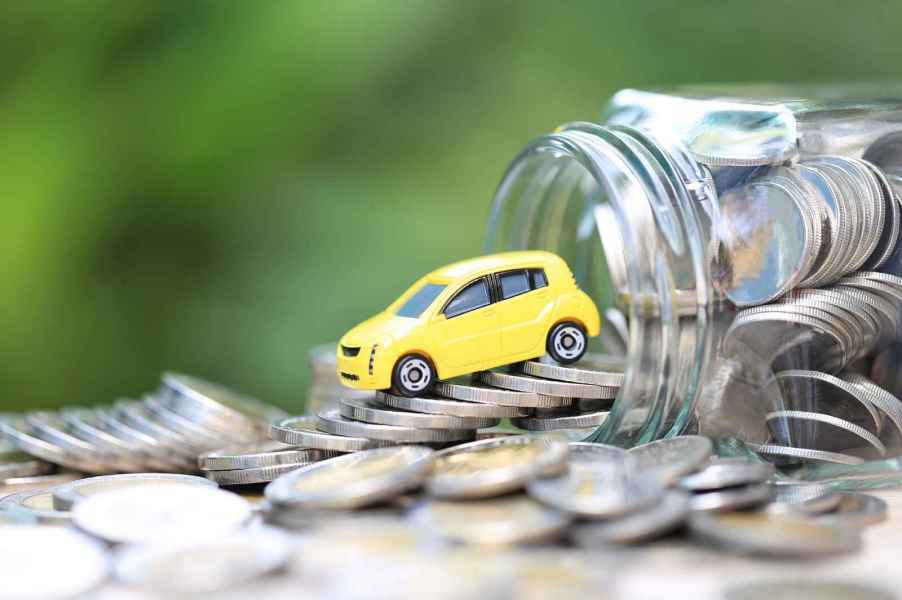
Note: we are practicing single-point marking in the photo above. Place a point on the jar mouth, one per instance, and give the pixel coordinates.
(632, 216)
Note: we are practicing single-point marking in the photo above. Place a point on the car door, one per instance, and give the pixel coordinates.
(524, 310)
(468, 329)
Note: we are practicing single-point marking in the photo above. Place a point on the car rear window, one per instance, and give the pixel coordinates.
(513, 283)
(420, 301)
(538, 278)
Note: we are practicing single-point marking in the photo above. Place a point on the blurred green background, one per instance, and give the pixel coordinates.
(214, 187)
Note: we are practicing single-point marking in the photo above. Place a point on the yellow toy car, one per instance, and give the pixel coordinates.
(471, 316)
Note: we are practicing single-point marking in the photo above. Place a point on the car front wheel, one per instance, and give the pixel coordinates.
(566, 342)
(413, 376)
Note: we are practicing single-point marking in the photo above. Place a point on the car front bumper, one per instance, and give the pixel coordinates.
(360, 372)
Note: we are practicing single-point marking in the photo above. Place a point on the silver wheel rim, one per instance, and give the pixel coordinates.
(569, 342)
(415, 375)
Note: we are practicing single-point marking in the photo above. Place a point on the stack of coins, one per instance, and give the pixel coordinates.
(541, 396)
(165, 431)
(259, 462)
(831, 217)
(834, 326)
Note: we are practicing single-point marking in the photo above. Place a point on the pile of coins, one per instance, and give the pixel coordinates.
(826, 352)
(523, 490)
(540, 396)
(840, 324)
(807, 225)
(165, 431)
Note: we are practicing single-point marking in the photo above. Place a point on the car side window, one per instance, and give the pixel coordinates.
(538, 278)
(473, 296)
(513, 283)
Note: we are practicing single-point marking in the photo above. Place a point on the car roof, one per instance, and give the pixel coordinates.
(493, 262)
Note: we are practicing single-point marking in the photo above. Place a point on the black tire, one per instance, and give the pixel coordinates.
(566, 342)
(413, 376)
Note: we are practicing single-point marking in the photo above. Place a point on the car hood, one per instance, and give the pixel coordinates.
(377, 328)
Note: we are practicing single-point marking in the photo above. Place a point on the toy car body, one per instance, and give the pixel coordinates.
(471, 316)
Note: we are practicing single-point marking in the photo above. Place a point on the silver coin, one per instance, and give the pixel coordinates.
(856, 510)
(87, 425)
(732, 498)
(332, 422)
(158, 455)
(16, 429)
(141, 515)
(137, 416)
(253, 475)
(592, 369)
(204, 566)
(853, 393)
(200, 436)
(817, 319)
(373, 411)
(547, 387)
(762, 534)
(52, 428)
(724, 473)
(671, 458)
(302, 431)
(35, 504)
(495, 466)
(860, 432)
(889, 235)
(217, 406)
(807, 454)
(475, 392)
(40, 561)
(261, 454)
(756, 332)
(21, 464)
(885, 402)
(36, 482)
(66, 496)
(774, 248)
(838, 234)
(794, 589)
(497, 521)
(805, 499)
(454, 408)
(353, 480)
(561, 421)
(600, 483)
(861, 281)
(660, 518)
(496, 432)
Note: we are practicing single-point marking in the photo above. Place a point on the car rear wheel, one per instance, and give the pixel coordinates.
(413, 376)
(566, 342)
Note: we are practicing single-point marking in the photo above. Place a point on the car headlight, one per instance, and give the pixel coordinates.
(372, 363)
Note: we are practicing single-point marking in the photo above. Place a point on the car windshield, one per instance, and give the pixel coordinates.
(420, 300)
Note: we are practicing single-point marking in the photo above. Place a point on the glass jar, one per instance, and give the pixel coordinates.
(723, 234)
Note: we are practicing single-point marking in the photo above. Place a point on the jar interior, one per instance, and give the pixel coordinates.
(597, 198)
